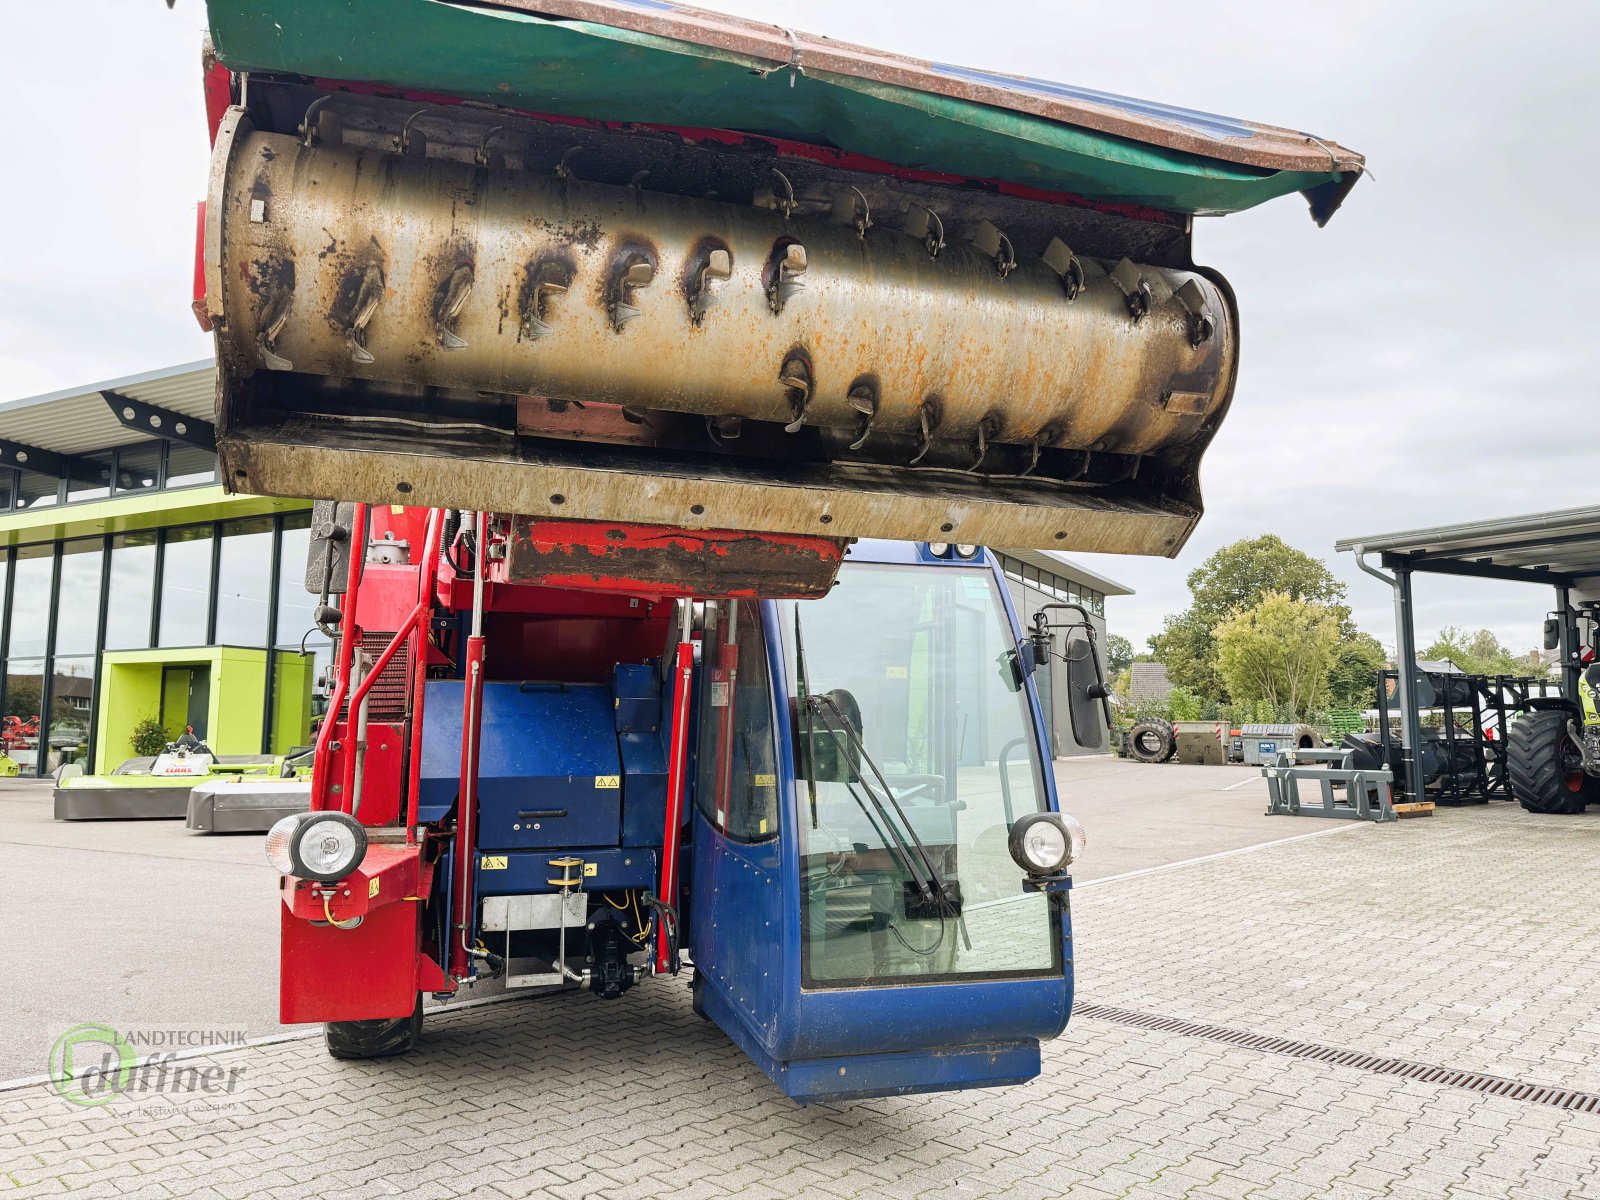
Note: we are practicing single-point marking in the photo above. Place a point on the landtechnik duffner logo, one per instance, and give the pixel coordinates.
(91, 1065)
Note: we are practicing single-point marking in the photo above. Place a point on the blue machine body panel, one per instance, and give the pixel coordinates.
(528, 872)
(550, 773)
(853, 1041)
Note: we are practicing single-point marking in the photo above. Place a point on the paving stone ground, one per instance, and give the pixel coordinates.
(1467, 941)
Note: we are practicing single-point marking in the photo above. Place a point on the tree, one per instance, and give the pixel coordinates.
(1477, 654)
(1119, 653)
(1352, 682)
(1279, 651)
(1234, 578)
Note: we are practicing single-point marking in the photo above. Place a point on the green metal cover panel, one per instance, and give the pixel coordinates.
(585, 69)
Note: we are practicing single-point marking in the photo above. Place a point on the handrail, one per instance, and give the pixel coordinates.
(347, 631)
(370, 677)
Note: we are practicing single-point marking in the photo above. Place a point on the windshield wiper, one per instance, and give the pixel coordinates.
(846, 736)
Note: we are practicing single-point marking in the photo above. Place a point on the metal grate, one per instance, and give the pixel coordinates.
(389, 695)
(1472, 1081)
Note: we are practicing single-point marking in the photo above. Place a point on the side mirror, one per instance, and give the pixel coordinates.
(328, 558)
(1086, 694)
(1552, 633)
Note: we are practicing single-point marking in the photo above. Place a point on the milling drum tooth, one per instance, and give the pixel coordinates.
(368, 296)
(788, 265)
(451, 297)
(1201, 326)
(1058, 256)
(718, 269)
(989, 240)
(1131, 282)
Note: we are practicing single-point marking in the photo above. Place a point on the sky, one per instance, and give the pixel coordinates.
(1422, 360)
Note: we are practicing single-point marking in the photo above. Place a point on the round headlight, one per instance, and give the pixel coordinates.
(278, 842)
(939, 549)
(1046, 843)
(324, 846)
(966, 551)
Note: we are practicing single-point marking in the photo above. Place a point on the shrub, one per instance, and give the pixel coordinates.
(149, 738)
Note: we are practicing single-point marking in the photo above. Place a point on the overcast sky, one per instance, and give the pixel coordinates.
(1419, 361)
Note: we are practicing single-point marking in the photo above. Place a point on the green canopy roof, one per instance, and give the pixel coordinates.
(824, 93)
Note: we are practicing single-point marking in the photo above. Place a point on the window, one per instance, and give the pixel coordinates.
(19, 729)
(922, 756)
(295, 702)
(186, 587)
(138, 467)
(188, 465)
(30, 600)
(737, 782)
(295, 604)
(132, 591)
(71, 703)
(91, 478)
(244, 583)
(37, 491)
(78, 598)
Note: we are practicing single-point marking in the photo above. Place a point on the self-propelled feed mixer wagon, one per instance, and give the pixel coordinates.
(666, 374)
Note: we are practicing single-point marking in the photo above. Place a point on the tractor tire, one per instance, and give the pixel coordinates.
(1151, 742)
(381, 1038)
(1545, 765)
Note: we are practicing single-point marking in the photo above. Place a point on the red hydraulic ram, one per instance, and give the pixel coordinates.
(677, 763)
(471, 737)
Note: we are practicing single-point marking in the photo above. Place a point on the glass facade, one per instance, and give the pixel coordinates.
(230, 583)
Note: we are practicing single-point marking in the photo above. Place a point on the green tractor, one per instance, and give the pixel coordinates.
(1553, 748)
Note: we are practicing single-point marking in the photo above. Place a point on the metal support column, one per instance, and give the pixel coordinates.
(1571, 668)
(1405, 670)
(1406, 652)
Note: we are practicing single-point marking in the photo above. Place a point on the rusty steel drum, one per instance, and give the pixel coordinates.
(847, 374)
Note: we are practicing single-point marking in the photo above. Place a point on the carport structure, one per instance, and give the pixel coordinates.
(1559, 550)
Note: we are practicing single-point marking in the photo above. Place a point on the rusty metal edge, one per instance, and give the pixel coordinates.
(1274, 147)
(267, 460)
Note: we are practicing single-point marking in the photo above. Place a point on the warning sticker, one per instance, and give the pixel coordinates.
(608, 781)
(492, 862)
(372, 889)
(719, 693)
(765, 781)
(897, 673)
(591, 869)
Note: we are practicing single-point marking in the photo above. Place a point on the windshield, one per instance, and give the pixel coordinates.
(915, 754)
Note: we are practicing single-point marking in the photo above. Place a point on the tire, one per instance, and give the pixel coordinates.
(1151, 742)
(381, 1038)
(1545, 765)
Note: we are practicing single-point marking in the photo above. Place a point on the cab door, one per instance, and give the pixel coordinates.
(734, 893)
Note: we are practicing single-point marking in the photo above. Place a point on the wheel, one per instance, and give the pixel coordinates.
(1151, 742)
(1545, 764)
(381, 1038)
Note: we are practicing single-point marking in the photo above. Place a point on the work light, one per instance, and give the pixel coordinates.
(325, 846)
(1047, 843)
(966, 551)
(939, 549)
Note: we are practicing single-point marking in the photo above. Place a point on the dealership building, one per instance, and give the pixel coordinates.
(135, 587)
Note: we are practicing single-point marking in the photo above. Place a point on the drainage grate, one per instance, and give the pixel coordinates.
(1472, 1081)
